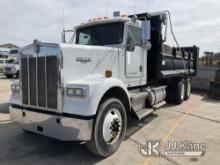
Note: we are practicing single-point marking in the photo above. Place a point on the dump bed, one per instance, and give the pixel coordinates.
(165, 61)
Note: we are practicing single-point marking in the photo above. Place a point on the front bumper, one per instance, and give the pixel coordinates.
(9, 73)
(55, 126)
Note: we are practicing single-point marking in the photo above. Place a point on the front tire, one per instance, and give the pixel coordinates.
(9, 76)
(17, 74)
(109, 128)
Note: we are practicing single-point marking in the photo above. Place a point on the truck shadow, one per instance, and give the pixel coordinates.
(21, 147)
(4, 108)
(205, 96)
(135, 125)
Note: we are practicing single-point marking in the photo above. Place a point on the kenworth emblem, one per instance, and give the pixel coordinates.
(83, 60)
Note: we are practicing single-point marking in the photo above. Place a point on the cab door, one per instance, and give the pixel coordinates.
(134, 53)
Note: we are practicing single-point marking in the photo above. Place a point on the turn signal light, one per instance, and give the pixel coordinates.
(108, 73)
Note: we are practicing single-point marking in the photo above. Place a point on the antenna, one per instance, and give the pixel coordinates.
(106, 7)
(135, 6)
(63, 20)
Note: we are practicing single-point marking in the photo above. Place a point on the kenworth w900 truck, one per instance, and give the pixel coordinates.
(113, 70)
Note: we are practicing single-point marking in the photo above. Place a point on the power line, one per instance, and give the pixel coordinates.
(135, 6)
(63, 19)
(106, 7)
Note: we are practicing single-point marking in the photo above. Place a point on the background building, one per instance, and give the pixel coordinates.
(8, 50)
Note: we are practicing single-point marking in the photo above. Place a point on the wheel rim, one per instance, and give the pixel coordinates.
(112, 126)
(182, 91)
(188, 89)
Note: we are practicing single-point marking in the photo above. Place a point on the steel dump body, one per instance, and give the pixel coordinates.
(165, 61)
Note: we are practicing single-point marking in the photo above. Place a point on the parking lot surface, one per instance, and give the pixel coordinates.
(197, 121)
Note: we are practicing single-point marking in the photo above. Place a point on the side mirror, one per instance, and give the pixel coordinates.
(146, 30)
(36, 46)
(63, 37)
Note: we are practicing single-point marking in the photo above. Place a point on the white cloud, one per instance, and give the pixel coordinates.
(195, 22)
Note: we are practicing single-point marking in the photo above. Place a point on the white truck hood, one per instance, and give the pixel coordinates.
(82, 61)
(10, 65)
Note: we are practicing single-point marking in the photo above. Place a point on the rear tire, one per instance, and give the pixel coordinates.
(179, 92)
(187, 89)
(176, 92)
(109, 128)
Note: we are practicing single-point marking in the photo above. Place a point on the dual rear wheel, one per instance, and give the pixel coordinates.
(178, 91)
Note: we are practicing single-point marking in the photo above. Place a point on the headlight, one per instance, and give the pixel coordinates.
(76, 92)
(15, 87)
(13, 69)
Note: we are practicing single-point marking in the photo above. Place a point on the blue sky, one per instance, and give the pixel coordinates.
(195, 22)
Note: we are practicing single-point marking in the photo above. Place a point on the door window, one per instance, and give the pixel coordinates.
(134, 37)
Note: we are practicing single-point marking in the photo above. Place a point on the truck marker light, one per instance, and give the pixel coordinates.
(108, 73)
(124, 15)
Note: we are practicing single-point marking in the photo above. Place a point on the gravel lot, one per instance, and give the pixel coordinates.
(197, 121)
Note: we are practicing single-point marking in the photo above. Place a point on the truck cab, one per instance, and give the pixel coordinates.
(114, 45)
(3, 62)
(87, 89)
(11, 68)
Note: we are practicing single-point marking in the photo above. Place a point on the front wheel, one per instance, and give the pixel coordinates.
(17, 74)
(109, 129)
(9, 76)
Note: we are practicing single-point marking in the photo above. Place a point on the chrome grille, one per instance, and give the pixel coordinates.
(39, 81)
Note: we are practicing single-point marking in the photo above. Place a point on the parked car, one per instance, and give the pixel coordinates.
(13, 53)
(2, 64)
(11, 68)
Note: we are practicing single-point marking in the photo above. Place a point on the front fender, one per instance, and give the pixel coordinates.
(97, 89)
(100, 91)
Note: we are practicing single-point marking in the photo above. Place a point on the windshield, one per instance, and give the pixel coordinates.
(105, 34)
(16, 61)
(10, 61)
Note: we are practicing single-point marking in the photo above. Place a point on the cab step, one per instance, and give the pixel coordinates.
(159, 105)
(144, 113)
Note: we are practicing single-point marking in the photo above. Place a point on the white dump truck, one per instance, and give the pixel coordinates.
(112, 70)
